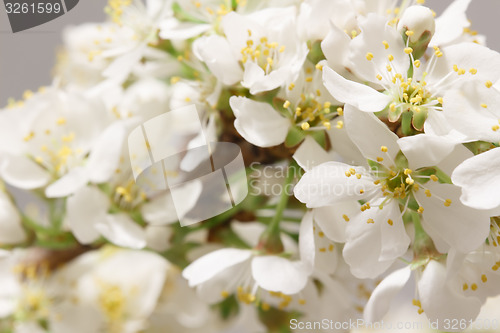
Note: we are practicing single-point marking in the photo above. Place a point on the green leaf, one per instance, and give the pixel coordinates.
(406, 123)
(320, 137)
(419, 120)
(294, 137)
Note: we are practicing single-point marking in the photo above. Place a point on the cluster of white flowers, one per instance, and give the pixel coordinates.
(382, 118)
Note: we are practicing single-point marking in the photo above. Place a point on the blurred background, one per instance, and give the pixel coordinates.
(27, 58)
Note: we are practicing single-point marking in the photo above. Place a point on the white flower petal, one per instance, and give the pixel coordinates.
(479, 178)
(462, 227)
(68, 184)
(464, 111)
(310, 154)
(249, 232)
(331, 219)
(335, 47)
(382, 296)
(375, 30)
(306, 241)
(425, 150)
(279, 274)
(174, 30)
(206, 267)
(215, 51)
(451, 24)
(359, 95)
(86, 208)
(121, 230)
(105, 154)
(440, 301)
(369, 134)
(158, 236)
(160, 210)
(259, 123)
(362, 254)
(23, 173)
(11, 230)
(328, 184)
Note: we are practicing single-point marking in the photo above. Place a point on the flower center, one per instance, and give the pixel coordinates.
(262, 52)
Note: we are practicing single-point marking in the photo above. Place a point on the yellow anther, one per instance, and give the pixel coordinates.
(484, 278)
(305, 126)
(428, 193)
(473, 71)
(370, 221)
(390, 222)
(282, 49)
(408, 171)
(302, 301)
(352, 171)
(434, 178)
(345, 217)
(390, 57)
(358, 175)
(321, 234)
(408, 50)
(376, 182)
(386, 45)
(379, 77)
(361, 191)
(484, 106)
(417, 63)
(461, 71)
(369, 56)
(348, 174)
(265, 307)
(174, 79)
(340, 111)
(420, 210)
(286, 105)
(319, 67)
(383, 149)
(488, 84)
(270, 61)
(380, 159)
(340, 124)
(291, 86)
(440, 100)
(331, 247)
(495, 128)
(309, 79)
(322, 249)
(447, 203)
(61, 121)
(409, 181)
(465, 287)
(30, 136)
(327, 125)
(455, 68)
(473, 287)
(224, 294)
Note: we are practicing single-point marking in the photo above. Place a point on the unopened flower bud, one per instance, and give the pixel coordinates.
(418, 25)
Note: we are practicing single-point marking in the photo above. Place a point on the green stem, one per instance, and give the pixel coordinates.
(280, 208)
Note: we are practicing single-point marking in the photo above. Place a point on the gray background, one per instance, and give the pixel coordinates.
(27, 58)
